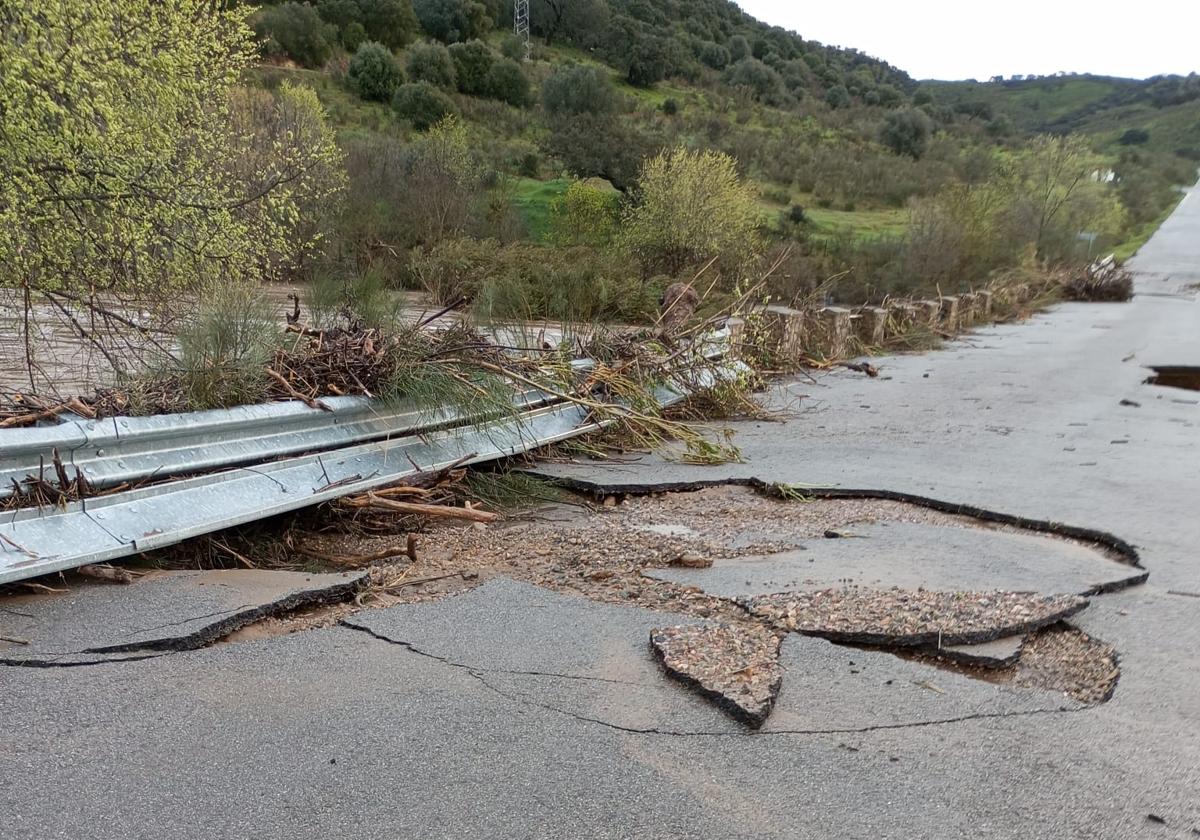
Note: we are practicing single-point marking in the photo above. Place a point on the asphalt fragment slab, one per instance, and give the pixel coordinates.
(158, 613)
(736, 667)
(910, 618)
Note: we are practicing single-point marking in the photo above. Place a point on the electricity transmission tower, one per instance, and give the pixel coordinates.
(521, 23)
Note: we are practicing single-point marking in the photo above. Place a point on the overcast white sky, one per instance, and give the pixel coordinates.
(962, 39)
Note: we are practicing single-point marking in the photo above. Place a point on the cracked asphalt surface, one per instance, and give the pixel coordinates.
(511, 711)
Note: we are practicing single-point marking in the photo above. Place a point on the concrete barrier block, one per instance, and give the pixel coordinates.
(870, 325)
(929, 312)
(827, 333)
(985, 305)
(948, 313)
(968, 310)
(901, 315)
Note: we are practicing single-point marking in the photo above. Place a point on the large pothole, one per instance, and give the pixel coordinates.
(1176, 376)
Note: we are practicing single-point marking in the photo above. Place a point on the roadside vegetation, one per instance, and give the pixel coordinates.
(372, 146)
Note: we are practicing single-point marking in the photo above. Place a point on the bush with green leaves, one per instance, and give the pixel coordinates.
(513, 47)
(428, 62)
(374, 73)
(451, 21)
(837, 97)
(578, 89)
(691, 206)
(647, 64)
(714, 56)
(353, 35)
(422, 104)
(906, 132)
(762, 82)
(670, 107)
(508, 83)
(598, 145)
(472, 67)
(296, 31)
(390, 22)
(224, 350)
(586, 214)
(340, 13)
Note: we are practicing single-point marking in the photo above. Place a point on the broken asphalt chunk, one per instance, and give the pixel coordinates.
(735, 667)
(913, 617)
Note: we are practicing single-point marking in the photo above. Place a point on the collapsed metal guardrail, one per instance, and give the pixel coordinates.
(265, 483)
(110, 451)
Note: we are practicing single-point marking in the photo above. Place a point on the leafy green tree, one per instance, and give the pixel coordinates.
(298, 32)
(508, 83)
(422, 104)
(374, 73)
(431, 63)
(691, 207)
(714, 56)
(586, 214)
(472, 67)
(577, 21)
(390, 22)
(647, 64)
(451, 21)
(353, 36)
(133, 163)
(578, 89)
(340, 13)
(763, 83)
(906, 132)
(837, 97)
(597, 145)
(739, 48)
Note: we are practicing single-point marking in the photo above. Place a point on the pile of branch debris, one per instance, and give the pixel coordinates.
(1102, 281)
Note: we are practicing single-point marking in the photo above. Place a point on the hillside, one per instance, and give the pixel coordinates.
(843, 152)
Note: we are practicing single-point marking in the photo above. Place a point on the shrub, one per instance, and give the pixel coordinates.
(422, 104)
(472, 67)
(692, 206)
(297, 31)
(578, 89)
(647, 64)
(431, 63)
(451, 21)
(507, 82)
(1134, 137)
(374, 73)
(586, 214)
(530, 166)
(763, 83)
(739, 48)
(670, 107)
(837, 97)
(340, 13)
(714, 56)
(390, 22)
(513, 47)
(596, 145)
(222, 353)
(353, 36)
(906, 132)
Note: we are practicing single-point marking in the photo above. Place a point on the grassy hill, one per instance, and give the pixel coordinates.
(842, 150)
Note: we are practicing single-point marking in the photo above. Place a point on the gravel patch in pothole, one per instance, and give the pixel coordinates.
(1068, 660)
(737, 667)
(907, 617)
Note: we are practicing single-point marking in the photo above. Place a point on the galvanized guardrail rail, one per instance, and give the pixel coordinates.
(265, 482)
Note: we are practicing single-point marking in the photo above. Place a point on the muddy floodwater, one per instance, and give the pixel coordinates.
(64, 362)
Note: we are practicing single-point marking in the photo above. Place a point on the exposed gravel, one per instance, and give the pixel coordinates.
(1068, 660)
(907, 617)
(735, 666)
(602, 552)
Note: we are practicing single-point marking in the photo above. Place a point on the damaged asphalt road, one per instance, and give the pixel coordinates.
(511, 711)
